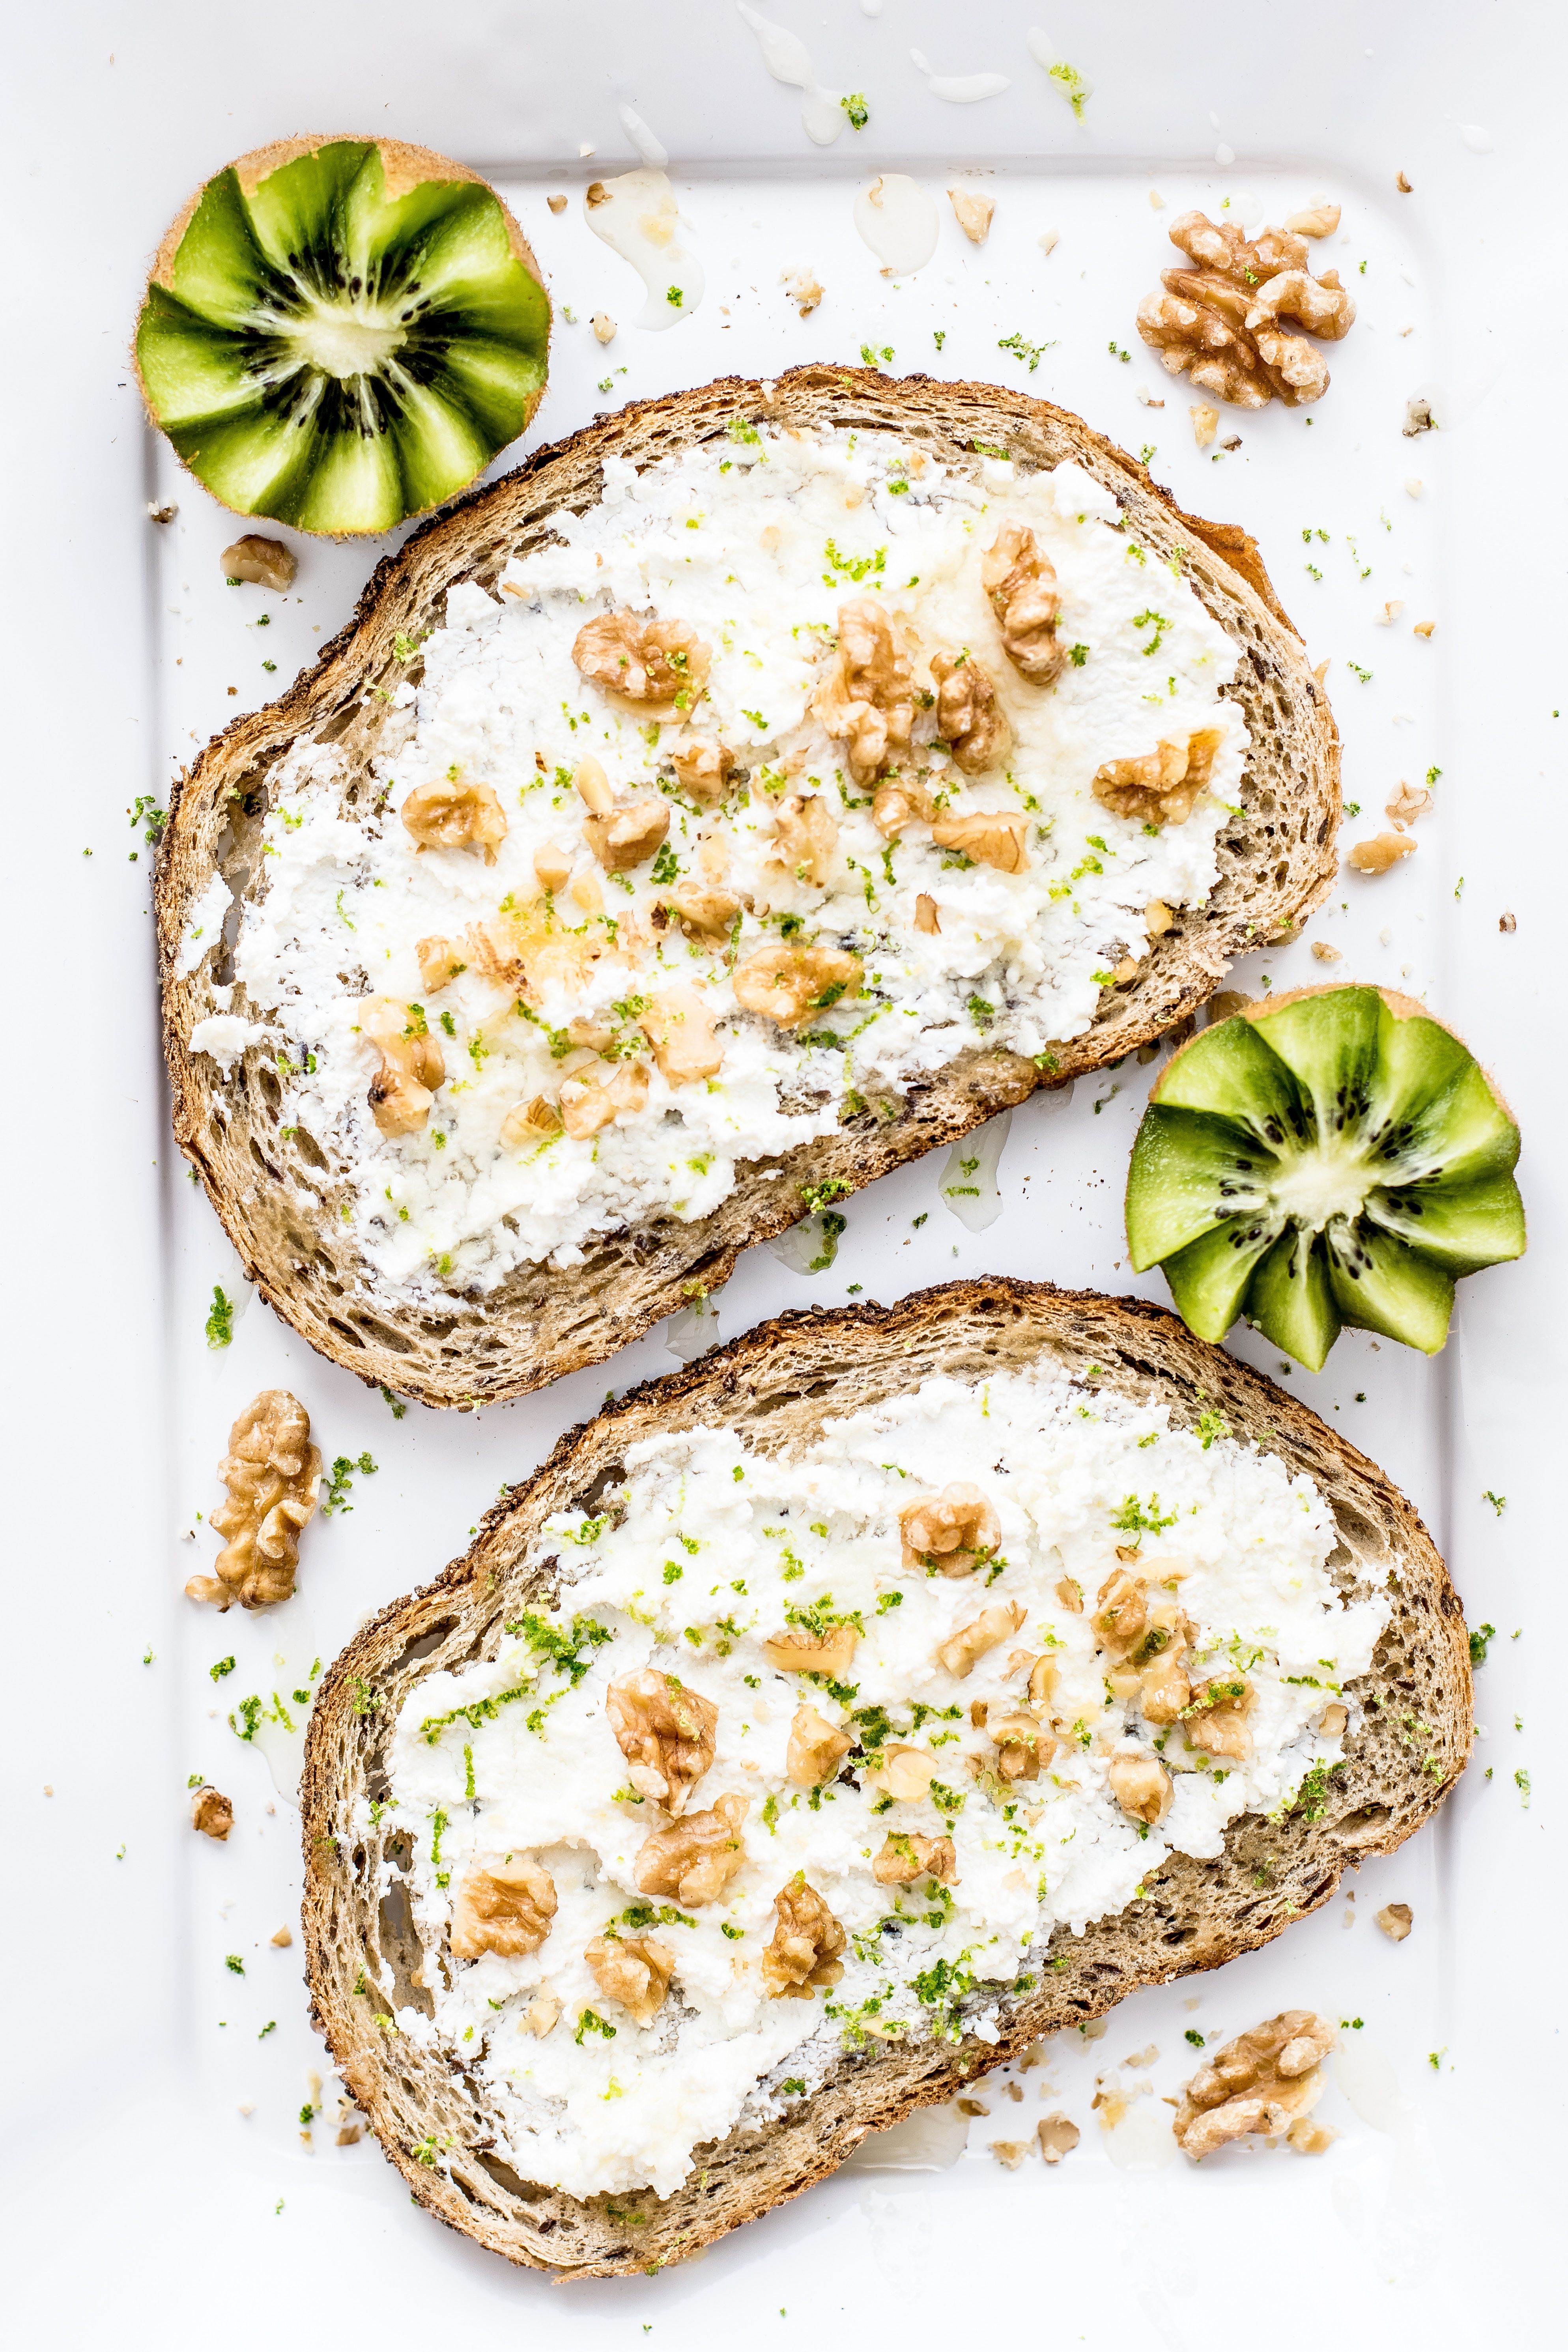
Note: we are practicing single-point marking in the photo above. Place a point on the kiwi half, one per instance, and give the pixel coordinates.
(339, 333)
(1334, 1157)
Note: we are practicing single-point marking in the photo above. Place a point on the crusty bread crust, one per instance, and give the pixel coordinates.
(778, 1385)
(276, 1191)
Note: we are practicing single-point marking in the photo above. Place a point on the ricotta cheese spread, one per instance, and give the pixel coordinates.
(957, 1675)
(794, 768)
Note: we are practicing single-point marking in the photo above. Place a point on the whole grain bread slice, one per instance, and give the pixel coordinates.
(277, 1189)
(778, 1385)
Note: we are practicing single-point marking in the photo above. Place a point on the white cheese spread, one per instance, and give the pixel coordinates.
(758, 544)
(712, 1549)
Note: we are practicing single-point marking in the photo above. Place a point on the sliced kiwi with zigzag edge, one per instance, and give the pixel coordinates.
(1335, 1157)
(340, 333)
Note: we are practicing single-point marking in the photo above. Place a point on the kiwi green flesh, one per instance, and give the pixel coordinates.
(1326, 1164)
(336, 358)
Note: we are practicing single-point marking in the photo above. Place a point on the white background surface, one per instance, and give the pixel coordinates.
(136, 2196)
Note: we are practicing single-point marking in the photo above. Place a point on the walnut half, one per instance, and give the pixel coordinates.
(1021, 583)
(807, 1943)
(505, 1907)
(273, 1475)
(969, 718)
(661, 666)
(665, 1731)
(1220, 321)
(695, 1859)
(867, 697)
(1261, 2082)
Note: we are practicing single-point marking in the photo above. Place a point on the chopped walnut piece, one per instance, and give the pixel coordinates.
(1141, 1786)
(454, 813)
(1259, 2082)
(1158, 918)
(1314, 220)
(1058, 2136)
(831, 1653)
(904, 1773)
(962, 1651)
(1019, 578)
(1408, 802)
(987, 839)
(665, 1731)
(556, 203)
(1325, 954)
(787, 982)
(805, 1947)
(696, 1858)
(1120, 1614)
(603, 327)
(1161, 787)
(593, 1099)
(283, 1937)
(1070, 1594)
(1214, 1717)
(1023, 1748)
(704, 770)
(635, 1970)
(440, 961)
(1423, 628)
(1010, 2152)
(805, 837)
(266, 563)
(403, 1089)
(1205, 424)
(971, 2107)
(901, 801)
(802, 288)
(631, 834)
(552, 863)
(1310, 2138)
(927, 919)
(661, 666)
(678, 1024)
(972, 214)
(1508, 922)
(815, 1748)
(906, 1857)
(1333, 1719)
(955, 1530)
(1221, 320)
(535, 1121)
(1164, 1691)
(867, 697)
(273, 1475)
(541, 2016)
(505, 1907)
(703, 910)
(213, 1814)
(1396, 1919)
(350, 2135)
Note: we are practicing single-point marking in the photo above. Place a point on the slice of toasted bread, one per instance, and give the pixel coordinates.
(778, 1386)
(275, 1190)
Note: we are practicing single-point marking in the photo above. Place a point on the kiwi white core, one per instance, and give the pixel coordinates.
(344, 347)
(1318, 1185)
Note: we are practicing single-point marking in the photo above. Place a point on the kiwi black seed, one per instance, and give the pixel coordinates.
(340, 333)
(1336, 1157)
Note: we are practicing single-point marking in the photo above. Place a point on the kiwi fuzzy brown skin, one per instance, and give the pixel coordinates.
(405, 166)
